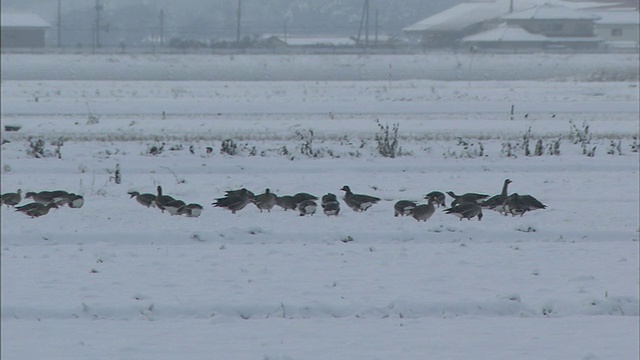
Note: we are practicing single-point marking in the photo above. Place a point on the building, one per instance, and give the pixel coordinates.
(23, 30)
(619, 28)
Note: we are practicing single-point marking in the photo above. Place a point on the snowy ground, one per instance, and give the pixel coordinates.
(115, 280)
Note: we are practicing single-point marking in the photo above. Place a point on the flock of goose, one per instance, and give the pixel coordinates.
(42, 201)
(465, 206)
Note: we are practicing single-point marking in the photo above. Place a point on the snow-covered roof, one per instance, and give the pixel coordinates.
(618, 17)
(27, 20)
(311, 41)
(550, 12)
(459, 17)
(513, 33)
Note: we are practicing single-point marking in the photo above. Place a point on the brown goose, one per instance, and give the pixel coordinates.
(307, 207)
(59, 197)
(496, 202)
(403, 207)
(423, 212)
(358, 202)
(11, 199)
(438, 197)
(265, 201)
(330, 204)
(235, 200)
(287, 202)
(516, 204)
(468, 197)
(75, 201)
(162, 200)
(191, 210)
(467, 210)
(148, 200)
(36, 209)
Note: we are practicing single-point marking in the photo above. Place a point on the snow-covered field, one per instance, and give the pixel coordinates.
(115, 280)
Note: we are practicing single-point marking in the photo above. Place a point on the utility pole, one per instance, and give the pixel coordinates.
(285, 31)
(377, 17)
(239, 17)
(98, 9)
(365, 16)
(161, 27)
(366, 27)
(59, 23)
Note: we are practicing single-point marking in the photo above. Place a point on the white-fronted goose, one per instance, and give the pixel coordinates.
(11, 199)
(191, 210)
(423, 212)
(36, 209)
(358, 202)
(265, 201)
(403, 207)
(468, 197)
(467, 210)
(307, 207)
(235, 201)
(146, 199)
(516, 204)
(60, 197)
(330, 204)
(287, 202)
(495, 202)
(162, 200)
(438, 197)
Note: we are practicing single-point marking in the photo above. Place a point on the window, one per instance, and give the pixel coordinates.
(616, 32)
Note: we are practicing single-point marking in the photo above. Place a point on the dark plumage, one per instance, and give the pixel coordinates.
(496, 202)
(148, 200)
(307, 207)
(330, 205)
(302, 196)
(467, 210)
(60, 197)
(403, 207)
(465, 198)
(36, 209)
(11, 199)
(287, 202)
(235, 200)
(265, 201)
(358, 202)
(162, 200)
(438, 197)
(423, 212)
(191, 210)
(75, 201)
(516, 204)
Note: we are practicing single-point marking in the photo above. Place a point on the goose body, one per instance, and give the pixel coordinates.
(330, 205)
(496, 202)
(403, 207)
(235, 201)
(467, 210)
(438, 197)
(423, 212)
(265, 201)
(302, 196)
(191, 210)
(148, 200)
(60, 197)
(75, 201)
(466, 198)
(516, 204)
(287, 202)
(36, 209)
(358, 202)
(11, 199)
(162, 200)
(174, 207)
(307, 207)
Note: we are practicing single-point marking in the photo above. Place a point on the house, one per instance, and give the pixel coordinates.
(545, 26)
(22, 30)
(619, 28)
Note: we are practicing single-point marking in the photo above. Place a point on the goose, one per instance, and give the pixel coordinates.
(495, 202)
(235, 201)
(191, 210)
(403, 207)
(330, 204)
(516, 204)
(265, 201)
(287, 202)
(438, 197)
(423, 212)
(468, 197)
(467, 210)
(75, 201)
(307, 207)
(11, 199)
(173, 207)
(161, 199)
(302, 196)
(148, 200)
(358, 202)
(36, 209)
(241, 191)
(44, 197)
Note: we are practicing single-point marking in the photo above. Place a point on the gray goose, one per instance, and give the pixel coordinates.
(423, 212)
(148, 200)
(358, 202)
(438, 197)
(516, 204)
(235, 200)
(174, 207)
(467, 210)
(465, 198)
(11, 199)
(265, 201)
(162, 200)
(307, 207)
(330, 204)
(191, 210)
(287, 202)
(403, 207)
(36, 209)
(495, 202)
(302, 196)
(60, 197)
